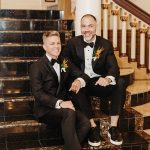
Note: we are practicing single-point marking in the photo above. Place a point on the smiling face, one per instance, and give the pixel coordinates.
(52, 46)
(88, 27)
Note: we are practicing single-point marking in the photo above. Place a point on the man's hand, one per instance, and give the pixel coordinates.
(67, 104)
(75, 86)
(103, 81)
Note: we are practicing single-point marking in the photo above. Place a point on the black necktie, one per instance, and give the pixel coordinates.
(85, 44)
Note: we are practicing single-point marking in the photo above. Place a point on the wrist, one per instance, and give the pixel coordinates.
(60, 104)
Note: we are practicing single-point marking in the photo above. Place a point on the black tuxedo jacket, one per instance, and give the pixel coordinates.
(45, 86)
(105, 65)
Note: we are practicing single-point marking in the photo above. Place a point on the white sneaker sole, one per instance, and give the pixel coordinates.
(94, 144)
(114, 142)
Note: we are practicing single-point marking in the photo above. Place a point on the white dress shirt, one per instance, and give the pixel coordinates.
(88, 54)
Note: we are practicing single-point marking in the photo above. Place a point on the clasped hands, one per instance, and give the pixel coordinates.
(103, 81)
(75, 87)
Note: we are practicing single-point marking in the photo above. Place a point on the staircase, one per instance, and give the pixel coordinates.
(20, 45)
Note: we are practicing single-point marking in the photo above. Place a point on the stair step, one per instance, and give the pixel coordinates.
(17, 99)
(31, 141)
(142, 121)
(126, 71)
(29, 25)
(30, 38)
(139, 86)
(17, 59)
(143, 109)
(31, 14)
(147, 131)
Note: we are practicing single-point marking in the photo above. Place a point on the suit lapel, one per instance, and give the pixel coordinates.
(63, 76)
(50, 68)
(97, 45)
(80, 52)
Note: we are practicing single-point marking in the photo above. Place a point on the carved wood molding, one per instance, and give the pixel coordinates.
(135, 10)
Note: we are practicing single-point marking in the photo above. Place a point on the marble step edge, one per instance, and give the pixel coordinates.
(31, 19)
(17, 99)
(126, 71)
(18, 44)
(102, 121)
(147, 132)
(17, 59)
(143, 110)
(22, 44)
(33, 122)
(105, 144)
(140, 119)
(24, 123)
(13, 78)
(33, 31)
(139, 86)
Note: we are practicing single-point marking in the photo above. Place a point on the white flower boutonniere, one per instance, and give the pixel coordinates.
(97, 53)
(64, 65)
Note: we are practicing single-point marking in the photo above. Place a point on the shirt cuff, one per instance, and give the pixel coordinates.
(83, 84)
(113, 81)
(57, 105)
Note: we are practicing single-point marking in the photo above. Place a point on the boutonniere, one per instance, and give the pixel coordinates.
(64, 65)
(97, 53)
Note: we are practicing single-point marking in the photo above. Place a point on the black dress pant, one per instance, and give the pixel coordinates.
(116, 94)
(74, 125)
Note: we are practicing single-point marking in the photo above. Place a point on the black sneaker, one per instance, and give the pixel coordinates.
(94, 137)
(115, 136)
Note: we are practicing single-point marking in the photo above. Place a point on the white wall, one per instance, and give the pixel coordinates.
(26, 4)
(144, 4)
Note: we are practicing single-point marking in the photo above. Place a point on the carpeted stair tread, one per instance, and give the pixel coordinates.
(139, 86)
(144, 109)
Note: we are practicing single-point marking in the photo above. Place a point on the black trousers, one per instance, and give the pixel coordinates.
(82, 102)
(116, 94)
(74, 125)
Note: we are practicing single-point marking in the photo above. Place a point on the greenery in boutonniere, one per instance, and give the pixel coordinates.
(97, 53)
(64, 65)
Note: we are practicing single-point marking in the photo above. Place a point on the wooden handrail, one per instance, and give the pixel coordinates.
(135, 10)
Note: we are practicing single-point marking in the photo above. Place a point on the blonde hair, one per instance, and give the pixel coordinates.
(50, 34)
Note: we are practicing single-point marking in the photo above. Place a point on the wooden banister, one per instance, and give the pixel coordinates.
(135, 10)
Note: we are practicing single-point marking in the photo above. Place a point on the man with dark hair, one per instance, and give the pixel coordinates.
(94, 56)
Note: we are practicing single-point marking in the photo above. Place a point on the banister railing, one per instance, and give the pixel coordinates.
(132, 24)
(134, 9)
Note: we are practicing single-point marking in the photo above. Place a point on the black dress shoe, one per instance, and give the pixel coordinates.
(94, 137)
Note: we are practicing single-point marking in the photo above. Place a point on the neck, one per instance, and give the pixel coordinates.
(91, 40)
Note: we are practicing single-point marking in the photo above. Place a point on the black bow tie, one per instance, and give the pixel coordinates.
(85, 44)
(53, 61)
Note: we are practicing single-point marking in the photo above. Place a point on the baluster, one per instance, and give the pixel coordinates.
(133, 25)
(143, 29)
(115, 13)
(124, 18)
(105, 7)
(149, 54)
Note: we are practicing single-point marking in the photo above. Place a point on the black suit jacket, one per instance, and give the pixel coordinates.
(105, 65)
(45, 86)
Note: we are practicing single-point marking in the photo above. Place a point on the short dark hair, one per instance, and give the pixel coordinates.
(86, 15)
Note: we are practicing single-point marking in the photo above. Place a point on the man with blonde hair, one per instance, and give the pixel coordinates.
(53, 105)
